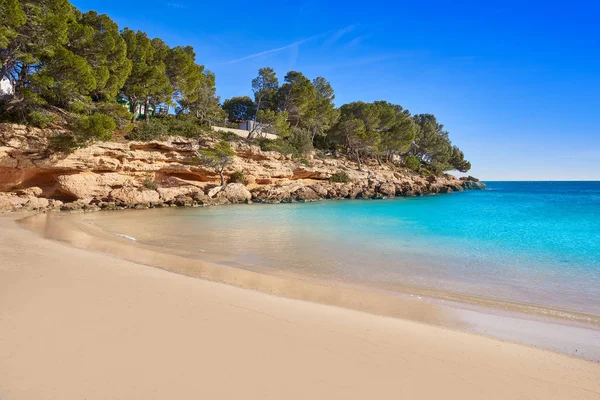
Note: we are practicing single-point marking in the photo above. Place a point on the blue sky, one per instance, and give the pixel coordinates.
(516, 83)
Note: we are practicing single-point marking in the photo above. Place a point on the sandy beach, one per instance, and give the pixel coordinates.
(78, 324)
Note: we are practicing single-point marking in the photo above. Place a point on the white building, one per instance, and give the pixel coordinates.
(260, 129)
(6, 87)
(246, 125)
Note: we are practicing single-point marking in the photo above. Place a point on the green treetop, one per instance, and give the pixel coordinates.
(96, 38)
(239, 108)
(39, 29)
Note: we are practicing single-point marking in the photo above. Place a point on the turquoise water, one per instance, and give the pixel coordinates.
(536, 242)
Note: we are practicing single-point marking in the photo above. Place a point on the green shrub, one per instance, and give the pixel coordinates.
(228, 136)
(304, 161)
(79, 107)
(63, 143)
(184, 125)
(147, 131)
(94, 127)
(412, 162)
(167, 125)
(340, 177)
(40, 119)
(236, 177)
(119, 113)
(279, 145)
(301, 140)
(185, 128)
(325, 143)
(149, 184)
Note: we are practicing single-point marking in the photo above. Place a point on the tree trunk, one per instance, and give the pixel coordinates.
(222, 177)
(146, 104)
(133, 109)
(379, 161)
(358, 160)
(255, 123)
(22, 77)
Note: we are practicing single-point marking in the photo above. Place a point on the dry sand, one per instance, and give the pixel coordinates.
(75, 324)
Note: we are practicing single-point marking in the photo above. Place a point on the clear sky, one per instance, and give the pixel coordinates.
(517, 83)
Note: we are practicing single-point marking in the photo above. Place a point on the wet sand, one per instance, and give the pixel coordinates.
(81, 324)
(568, 332)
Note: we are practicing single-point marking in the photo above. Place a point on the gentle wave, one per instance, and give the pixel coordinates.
(126, 237)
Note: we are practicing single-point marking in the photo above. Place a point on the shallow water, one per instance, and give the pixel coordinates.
(534, 242)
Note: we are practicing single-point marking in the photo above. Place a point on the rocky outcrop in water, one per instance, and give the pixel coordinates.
(116, 175)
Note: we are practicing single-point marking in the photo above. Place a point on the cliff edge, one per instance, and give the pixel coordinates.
(114, 175)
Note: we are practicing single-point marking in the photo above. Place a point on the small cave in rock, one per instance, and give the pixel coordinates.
(47, 180)
(57, 194)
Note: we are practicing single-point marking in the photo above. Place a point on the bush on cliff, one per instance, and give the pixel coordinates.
(148, 130)
(227, 136)
(26, 114)
(94, 127)
(40, 119)
(162, 126)
(186, 126)
(340, 177)
(412, 162)
(85, 130)
(149, 184)
(237, 177)
(63, 143)
(301, 140)
(279, 145)
(118, 113)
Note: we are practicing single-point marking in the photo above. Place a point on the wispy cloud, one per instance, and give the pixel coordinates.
(176, 5)
(337, 35)
(271, 51)
(357, 40)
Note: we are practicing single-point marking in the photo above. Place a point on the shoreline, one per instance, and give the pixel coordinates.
(562, 331)
(80, 324)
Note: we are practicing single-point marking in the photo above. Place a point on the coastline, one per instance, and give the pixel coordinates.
(568, 332)
(163, 173)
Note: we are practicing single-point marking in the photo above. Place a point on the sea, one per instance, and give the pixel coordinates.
(531, 242)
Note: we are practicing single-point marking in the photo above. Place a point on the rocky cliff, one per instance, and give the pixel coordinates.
(114, 175)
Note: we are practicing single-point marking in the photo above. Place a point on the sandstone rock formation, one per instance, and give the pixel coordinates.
(163, 173)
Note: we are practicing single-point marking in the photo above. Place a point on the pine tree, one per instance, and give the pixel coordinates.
(98, 41)
(33, 33)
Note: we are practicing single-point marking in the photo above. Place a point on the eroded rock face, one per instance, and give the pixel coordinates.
(27, 200)
(387, 189)
(89, 185)
(131, 196)
(235, 193)
(163, 173)
(169, 194)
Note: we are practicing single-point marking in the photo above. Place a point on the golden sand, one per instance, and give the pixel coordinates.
(78, 324)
